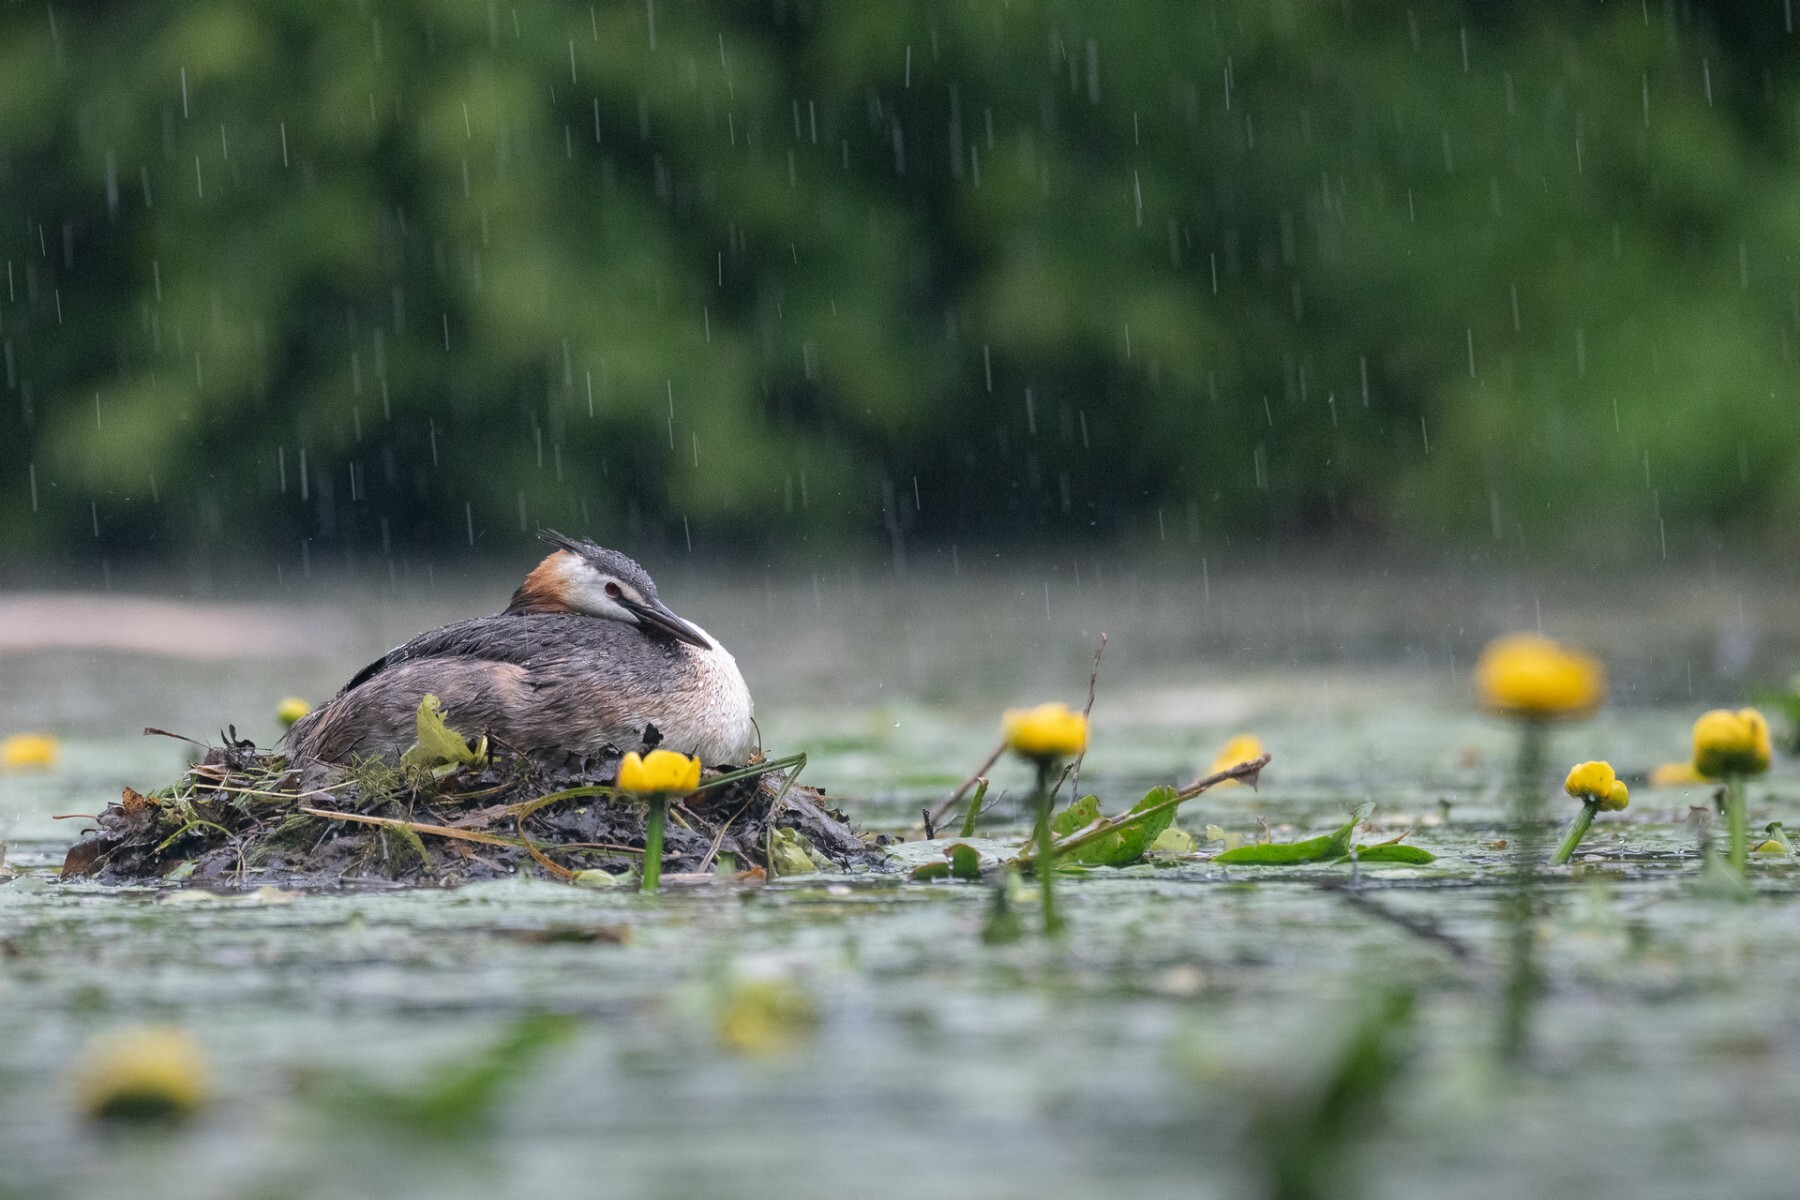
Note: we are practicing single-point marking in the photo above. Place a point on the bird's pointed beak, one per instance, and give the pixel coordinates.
(655, 615)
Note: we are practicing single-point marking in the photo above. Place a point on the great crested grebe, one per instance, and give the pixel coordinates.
(585, 656)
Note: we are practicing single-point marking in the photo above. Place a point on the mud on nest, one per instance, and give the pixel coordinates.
(244, 816)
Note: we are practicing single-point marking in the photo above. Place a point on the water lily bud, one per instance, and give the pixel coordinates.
(1731, 743)
(1527, 675)
(1590, 781)
(290, 710)
(660, 771)
(1046, 733)
(152, 1071)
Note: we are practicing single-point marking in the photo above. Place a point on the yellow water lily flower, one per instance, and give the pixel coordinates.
(1240, 749)
(1528, 675)
(1668, 775)
(1596, 781)
(1730, 743)
(659, 772)
(147, 1071)
(28, 752)
(290, 710)
(1045, 733)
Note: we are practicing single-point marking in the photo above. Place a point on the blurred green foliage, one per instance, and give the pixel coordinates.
(412, 271)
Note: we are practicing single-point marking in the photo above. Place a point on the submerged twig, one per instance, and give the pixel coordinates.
(1417, 926)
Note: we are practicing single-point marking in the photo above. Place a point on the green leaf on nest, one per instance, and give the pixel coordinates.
(440, 746)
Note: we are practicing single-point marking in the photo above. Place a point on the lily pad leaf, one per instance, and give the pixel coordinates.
(929, 871)
(1325, 848)
(965, 861)
(1127, 843)
(1077, 816)
(1394, 852)
(1171, 843)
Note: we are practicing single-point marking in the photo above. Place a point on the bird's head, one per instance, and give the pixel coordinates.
(584, 577)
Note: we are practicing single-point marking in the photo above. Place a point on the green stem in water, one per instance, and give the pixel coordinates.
(1577, 830)
(1737, 822)
(1045, 866)
(1527, 814)
(968, 825)
(653, 843)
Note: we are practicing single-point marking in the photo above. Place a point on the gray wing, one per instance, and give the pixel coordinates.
(533, 680)
(517, 639)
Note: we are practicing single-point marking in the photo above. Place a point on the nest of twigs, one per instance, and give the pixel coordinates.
(241, 816)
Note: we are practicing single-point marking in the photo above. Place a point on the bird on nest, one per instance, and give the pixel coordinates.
(585, 657)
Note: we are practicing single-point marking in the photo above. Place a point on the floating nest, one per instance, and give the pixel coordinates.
(247, 817)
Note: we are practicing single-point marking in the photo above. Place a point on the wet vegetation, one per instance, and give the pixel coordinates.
(242, 817)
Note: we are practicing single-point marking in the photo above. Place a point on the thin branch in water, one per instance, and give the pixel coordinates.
(1247, 772)
(1093, 679)
(1417, 926)
(937, 814)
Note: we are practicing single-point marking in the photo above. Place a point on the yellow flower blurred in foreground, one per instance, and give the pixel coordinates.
(1597, 782)
(28, 752)
(290, 710)
(1668, 775)
(1240, 749)
(1731, 743)
(147, 1071)
(1528, 675)
(660, 771)
(1044, 733)
(765, 1017)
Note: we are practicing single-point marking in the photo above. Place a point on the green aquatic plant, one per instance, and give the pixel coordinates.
(1535, 682)
(1732, 746)
(1046, 736)
(458, 1096)
(659, 777)
(975, 802)
(1306, 1133)
(1597, 787)
(1324, 848)
(1130, 836)
(1775, 841)
(1335, 846)
(440, 749)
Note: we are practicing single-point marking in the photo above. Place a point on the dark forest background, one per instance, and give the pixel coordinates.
(382, 275)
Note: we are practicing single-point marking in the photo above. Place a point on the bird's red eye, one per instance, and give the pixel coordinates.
(612, 589)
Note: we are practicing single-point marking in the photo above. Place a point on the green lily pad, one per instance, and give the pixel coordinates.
(1079, 815)
(1393, 852)
(1171, 843)
(965, 861)
(1324, 848)
(1123, 845)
